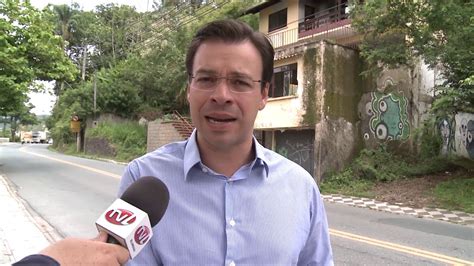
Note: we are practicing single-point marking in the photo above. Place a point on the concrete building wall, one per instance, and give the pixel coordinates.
(292, 15)
(288, 109)
(336, 84)
(161, 133)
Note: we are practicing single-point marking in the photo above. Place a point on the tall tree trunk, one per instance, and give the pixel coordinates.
(4, 129)
(84, 61)
(12, 127)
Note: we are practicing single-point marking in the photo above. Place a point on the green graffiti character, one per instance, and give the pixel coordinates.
(390, 116)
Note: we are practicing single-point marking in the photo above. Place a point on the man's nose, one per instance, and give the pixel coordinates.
(222, 93)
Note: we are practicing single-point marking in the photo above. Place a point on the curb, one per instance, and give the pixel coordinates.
(23, 232)
(456, 217)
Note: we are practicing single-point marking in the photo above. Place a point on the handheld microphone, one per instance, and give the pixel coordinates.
(128, 221)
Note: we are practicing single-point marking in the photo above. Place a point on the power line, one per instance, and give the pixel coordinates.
(213, 8)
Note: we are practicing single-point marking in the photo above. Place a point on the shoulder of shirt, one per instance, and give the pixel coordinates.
(173, 149)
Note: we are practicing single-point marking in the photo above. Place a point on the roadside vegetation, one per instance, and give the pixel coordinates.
(124, 142)
(456, 194)
(127, 139)
(379, 167)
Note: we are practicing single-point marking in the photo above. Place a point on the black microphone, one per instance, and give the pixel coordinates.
(128, 221)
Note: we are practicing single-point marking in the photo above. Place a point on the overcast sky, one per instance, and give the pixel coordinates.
(44, 102)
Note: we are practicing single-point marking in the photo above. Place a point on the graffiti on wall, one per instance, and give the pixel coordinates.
(446, 130)
(387, 117)
(466, 129)
(299, 153)
(297, 146)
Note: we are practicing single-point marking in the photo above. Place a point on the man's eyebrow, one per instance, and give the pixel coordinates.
(206, 71)
(239, 75)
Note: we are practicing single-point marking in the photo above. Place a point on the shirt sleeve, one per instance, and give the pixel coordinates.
(37, 260)
(317, 250)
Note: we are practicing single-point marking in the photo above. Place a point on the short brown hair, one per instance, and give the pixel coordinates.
(233, 31)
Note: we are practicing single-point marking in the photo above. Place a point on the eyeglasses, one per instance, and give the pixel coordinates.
(208, 82)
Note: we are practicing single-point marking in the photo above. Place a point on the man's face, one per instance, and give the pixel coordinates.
(224, 116)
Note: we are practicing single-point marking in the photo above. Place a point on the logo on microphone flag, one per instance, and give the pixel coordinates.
(128, 224)
(142, 234)
(120, 217)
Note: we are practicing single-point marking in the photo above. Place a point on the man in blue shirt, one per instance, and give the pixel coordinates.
(232, 201)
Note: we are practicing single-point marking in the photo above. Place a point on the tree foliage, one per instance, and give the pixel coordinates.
(441, 32)
(134, 60)
(29, 51)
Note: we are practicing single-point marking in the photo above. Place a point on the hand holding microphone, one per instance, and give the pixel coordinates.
(129, 220)
(77, 251)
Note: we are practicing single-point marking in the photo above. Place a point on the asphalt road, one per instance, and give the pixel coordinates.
(70, 193)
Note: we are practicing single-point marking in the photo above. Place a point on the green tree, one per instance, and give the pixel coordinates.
(441, 32)
(29, 52)
(21, 116)
(138, 59)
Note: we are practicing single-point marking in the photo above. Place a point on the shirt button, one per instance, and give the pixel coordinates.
(232, 263)
(204, 170)
(232, 223)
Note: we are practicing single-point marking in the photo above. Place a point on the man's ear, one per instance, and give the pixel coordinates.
(264, 99)
(187, 92)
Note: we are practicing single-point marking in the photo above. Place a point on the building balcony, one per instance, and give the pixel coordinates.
(331, 24)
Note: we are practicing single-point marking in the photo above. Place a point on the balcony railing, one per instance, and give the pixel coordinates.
(330, 24)
(283, 38)
(323, 19)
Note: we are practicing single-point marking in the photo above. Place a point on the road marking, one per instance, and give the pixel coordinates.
(367, 240)
(73, 164)
(401, 248)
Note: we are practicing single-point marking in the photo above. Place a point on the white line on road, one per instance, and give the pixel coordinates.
(73, 164)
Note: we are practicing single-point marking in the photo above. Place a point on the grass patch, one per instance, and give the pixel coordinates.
(380, 165)
(66, 148)
(128, 139)
(345, 184)
(456, 194)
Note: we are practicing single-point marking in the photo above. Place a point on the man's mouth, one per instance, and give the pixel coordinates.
(216, 120)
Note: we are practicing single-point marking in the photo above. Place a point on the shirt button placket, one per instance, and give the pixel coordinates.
(230, 224)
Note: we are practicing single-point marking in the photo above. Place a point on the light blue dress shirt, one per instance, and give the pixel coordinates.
(269, 212)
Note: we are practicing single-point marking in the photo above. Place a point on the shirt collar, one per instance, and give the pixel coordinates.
(260, 156)
(192, 156)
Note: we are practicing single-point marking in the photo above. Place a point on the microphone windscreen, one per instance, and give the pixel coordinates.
(150, 195)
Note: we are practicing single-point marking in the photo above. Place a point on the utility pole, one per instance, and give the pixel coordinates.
(95, 93)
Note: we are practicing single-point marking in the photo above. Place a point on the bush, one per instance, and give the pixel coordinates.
(429, 139)
(380, 165)
(128, 139)
(377, 165)
(344, 183)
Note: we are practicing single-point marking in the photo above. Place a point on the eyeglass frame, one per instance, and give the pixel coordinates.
(192, 77)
